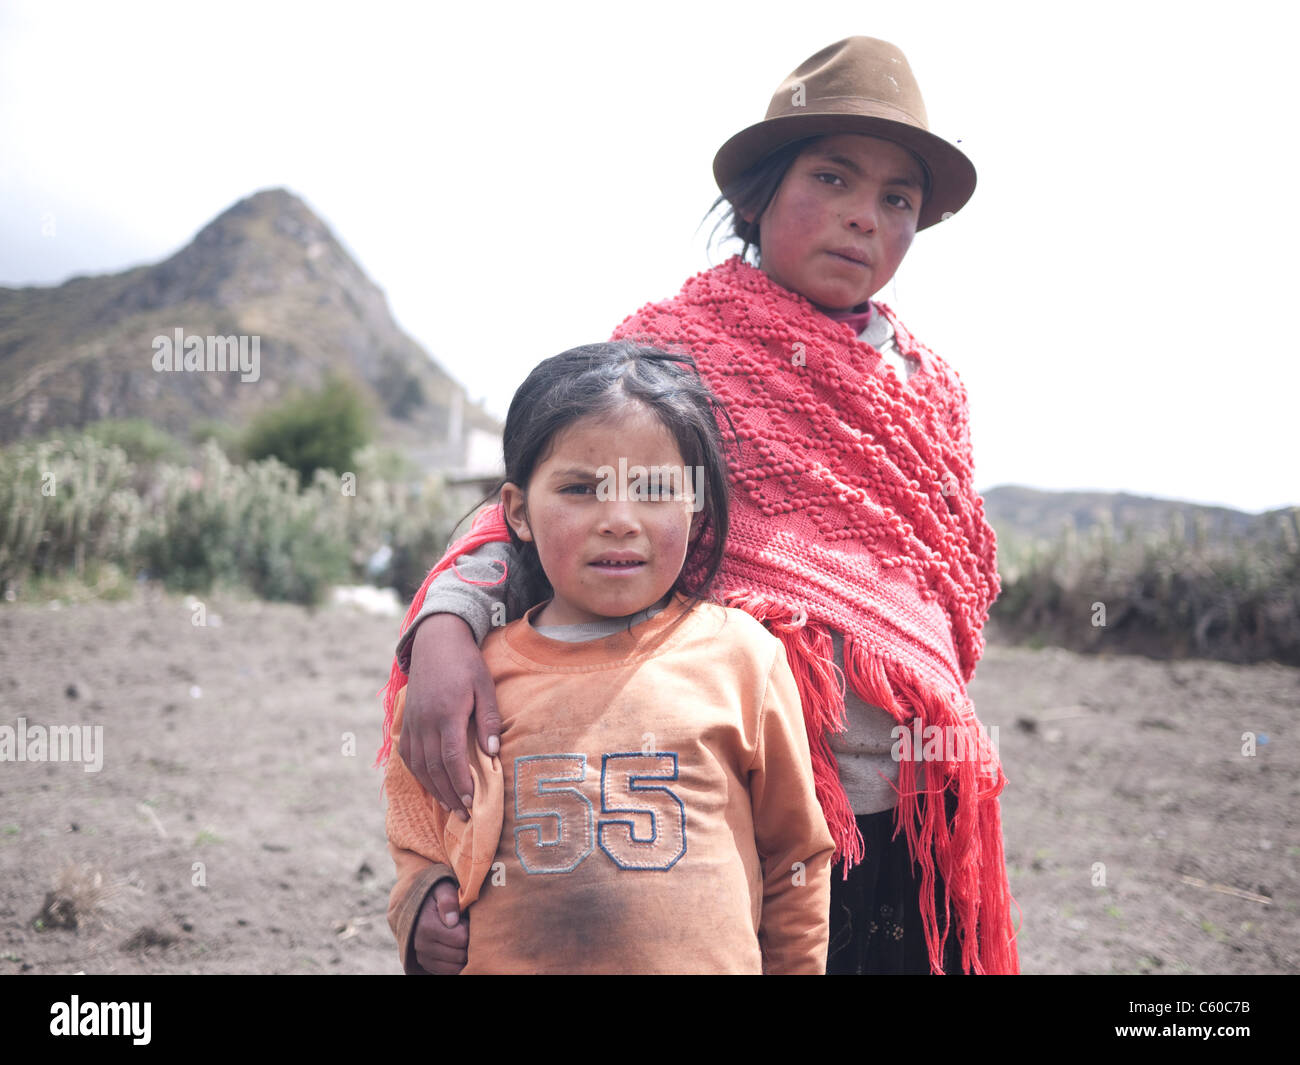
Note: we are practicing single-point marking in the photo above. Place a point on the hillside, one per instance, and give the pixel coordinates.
(1032, 513)
(267, 268)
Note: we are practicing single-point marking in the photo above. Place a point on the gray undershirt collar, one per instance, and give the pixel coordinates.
(598, 630)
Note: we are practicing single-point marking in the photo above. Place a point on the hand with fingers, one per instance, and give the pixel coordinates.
(441, 936)
(448, 683)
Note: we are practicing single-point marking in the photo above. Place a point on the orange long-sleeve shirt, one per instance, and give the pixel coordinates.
(651, 809)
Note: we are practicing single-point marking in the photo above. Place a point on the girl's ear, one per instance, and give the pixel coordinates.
(515, 504)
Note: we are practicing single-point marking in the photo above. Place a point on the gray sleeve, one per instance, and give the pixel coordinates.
(453, 593)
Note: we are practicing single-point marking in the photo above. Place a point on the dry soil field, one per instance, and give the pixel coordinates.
(244, 836)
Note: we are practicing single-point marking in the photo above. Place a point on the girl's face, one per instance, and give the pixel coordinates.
(842, 220)
(605, 554)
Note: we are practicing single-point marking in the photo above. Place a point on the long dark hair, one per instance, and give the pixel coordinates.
(597, 379)
(751, 192)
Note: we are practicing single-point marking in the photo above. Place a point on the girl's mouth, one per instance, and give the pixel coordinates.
(612, 565)
(850, 259)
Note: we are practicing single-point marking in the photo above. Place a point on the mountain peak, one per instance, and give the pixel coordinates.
(271, 210)
(266, 267)
(265, 243)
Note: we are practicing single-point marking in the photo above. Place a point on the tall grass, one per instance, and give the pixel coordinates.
(64, 504)
(1175, 592)
(78, 509)
(74, 506)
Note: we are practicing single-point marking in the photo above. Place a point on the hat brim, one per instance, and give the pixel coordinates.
(952, 175)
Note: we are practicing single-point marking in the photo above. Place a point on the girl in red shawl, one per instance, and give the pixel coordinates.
(857, 536)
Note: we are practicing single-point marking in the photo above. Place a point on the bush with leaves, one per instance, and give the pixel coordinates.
(63, 504)
(1167, 593)
(320, 430)
(246, 525)
(72, 505)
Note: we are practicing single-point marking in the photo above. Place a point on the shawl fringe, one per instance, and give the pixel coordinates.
(975, 908)
(809, 653)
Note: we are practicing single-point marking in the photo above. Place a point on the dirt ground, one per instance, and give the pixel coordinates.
(245, 836)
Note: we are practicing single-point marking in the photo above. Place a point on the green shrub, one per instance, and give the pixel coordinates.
(422, 531)
(246, 525)
(140, 440)
(64, 502)
(321, 430)
(79, 520)
(228, 437)
(1170, 593)
(295, 545)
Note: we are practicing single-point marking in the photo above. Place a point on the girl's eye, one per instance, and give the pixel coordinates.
(827, 178)
(904, 202)
(576, 489)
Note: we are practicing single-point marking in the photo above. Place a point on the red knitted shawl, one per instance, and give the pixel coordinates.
(853, 510)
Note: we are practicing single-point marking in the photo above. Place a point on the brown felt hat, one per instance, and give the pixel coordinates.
(858, 85)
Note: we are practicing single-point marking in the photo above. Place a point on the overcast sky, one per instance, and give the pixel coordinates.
(518, 178)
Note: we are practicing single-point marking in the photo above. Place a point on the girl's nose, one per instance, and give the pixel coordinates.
(862, 215)
(618, 517)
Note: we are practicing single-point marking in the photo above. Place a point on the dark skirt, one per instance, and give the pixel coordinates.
(875, 920)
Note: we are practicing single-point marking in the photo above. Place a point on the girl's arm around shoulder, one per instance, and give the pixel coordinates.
(474, 589)
(790, 832)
